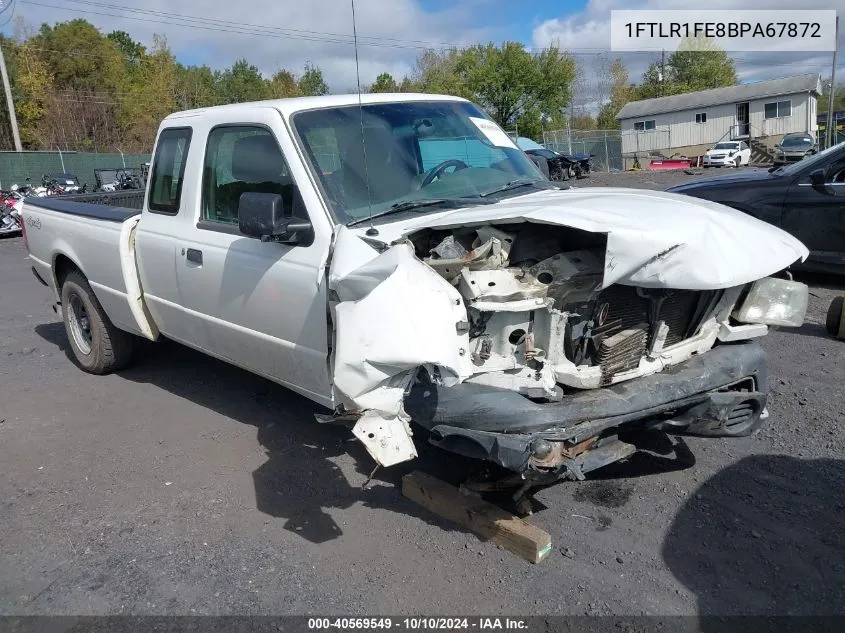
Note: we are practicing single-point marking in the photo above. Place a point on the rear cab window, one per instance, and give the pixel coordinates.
(169, 170)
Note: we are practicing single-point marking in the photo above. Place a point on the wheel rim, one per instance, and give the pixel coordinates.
(80, 325)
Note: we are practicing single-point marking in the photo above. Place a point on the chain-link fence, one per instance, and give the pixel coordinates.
(605, 146)
(16, 167)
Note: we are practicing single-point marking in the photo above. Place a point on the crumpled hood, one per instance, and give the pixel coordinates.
(654, 239)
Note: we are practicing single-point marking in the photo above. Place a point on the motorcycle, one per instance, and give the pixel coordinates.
(10, 212)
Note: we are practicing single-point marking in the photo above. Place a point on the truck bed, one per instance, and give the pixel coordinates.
(89, 232)
(116, 206)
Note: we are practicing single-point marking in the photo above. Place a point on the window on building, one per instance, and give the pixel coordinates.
(778, 109)
(642, 126)
(701, 117)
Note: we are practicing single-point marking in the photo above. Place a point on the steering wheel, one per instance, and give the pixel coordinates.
(438, 170)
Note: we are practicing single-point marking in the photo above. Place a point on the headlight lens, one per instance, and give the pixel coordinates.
(774, 302)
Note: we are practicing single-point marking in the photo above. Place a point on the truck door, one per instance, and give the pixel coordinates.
(261, 305)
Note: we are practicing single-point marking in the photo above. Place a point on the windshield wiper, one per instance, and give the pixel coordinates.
(518, 184)
(410, 205)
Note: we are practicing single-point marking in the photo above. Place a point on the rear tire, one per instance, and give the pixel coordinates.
(834, 316)
(98, 346)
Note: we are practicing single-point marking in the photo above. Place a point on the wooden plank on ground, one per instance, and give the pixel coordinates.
(485, 519)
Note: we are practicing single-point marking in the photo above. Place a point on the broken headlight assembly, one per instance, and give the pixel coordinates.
(773, 301)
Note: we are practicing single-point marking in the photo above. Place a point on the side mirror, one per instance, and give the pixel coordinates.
(262, 215)
(817, 178)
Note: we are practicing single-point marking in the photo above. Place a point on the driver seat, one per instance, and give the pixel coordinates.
(380, 159)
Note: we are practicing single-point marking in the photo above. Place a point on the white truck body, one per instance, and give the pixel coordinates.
(351, 312)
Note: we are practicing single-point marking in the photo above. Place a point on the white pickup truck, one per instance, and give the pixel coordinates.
(399, 260)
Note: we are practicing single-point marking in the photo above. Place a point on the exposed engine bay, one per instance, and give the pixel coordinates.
(538, 320)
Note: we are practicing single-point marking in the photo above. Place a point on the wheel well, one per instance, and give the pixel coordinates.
(61, 267)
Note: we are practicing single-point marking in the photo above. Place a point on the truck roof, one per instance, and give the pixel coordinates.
(295, 104)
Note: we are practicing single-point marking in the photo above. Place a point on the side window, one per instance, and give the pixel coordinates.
(169, 170)
(240, 159)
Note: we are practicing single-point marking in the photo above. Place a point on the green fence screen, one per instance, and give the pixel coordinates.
(16, 167)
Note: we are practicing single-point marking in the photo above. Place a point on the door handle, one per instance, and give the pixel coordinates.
(194, 256)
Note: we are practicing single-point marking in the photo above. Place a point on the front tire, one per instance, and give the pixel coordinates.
(98, 346)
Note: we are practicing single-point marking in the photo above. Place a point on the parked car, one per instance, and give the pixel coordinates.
(806, 199)
(728, 154)
(794, 147)
(564, 166)
(397, 276)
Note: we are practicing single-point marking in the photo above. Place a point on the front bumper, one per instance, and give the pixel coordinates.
(718, 162)
(717, 394)
(788, 158)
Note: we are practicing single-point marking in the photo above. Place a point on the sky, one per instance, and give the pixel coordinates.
(275, 34)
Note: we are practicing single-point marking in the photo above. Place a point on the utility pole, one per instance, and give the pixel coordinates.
(831, 133)
(662, 69)
(13, 120)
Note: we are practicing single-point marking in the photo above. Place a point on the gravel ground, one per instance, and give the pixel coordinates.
(186, 486)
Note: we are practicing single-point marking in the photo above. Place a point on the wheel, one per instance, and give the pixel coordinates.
(834, 316)
(738, 162)
(98, 346)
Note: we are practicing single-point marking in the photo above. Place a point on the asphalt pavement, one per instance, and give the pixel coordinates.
(183, 485)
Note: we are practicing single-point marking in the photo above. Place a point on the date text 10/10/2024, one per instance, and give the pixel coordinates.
(418, 623)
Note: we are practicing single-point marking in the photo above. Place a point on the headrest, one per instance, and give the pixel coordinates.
(257, 159)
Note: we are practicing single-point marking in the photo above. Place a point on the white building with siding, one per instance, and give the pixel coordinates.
(689, 124)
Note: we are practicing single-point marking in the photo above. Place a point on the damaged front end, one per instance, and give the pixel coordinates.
(508, 343)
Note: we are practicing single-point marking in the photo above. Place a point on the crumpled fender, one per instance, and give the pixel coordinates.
(393, 314)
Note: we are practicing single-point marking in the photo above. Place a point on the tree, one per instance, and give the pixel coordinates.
(437, 72)
(509, 81)
(838, 97)
(283, 84)
(384, 83)
(312, 83)
(620, 94)
(34, 85)
(241, 83)
(195, 87)
(133, 51)
(698, 64)
(152, 98)
(79, 57)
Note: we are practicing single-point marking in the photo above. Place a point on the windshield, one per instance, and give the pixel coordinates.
(411, 151)
(545, 153)
(726, 146)
(796, 141)
(810, 162)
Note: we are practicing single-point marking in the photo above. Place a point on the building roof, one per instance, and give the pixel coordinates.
(720, 96)
(296, 104)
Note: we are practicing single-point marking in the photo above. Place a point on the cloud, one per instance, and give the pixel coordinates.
(318, 31)
(587, 33)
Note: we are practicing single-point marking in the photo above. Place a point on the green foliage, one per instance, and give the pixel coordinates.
(384, 83)
(620, 93)
(78, 88)
(508, 81)
(312, 83)
(283, 84)
(698, 64)
(133, 51)
(241, 83)
(838, 98)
